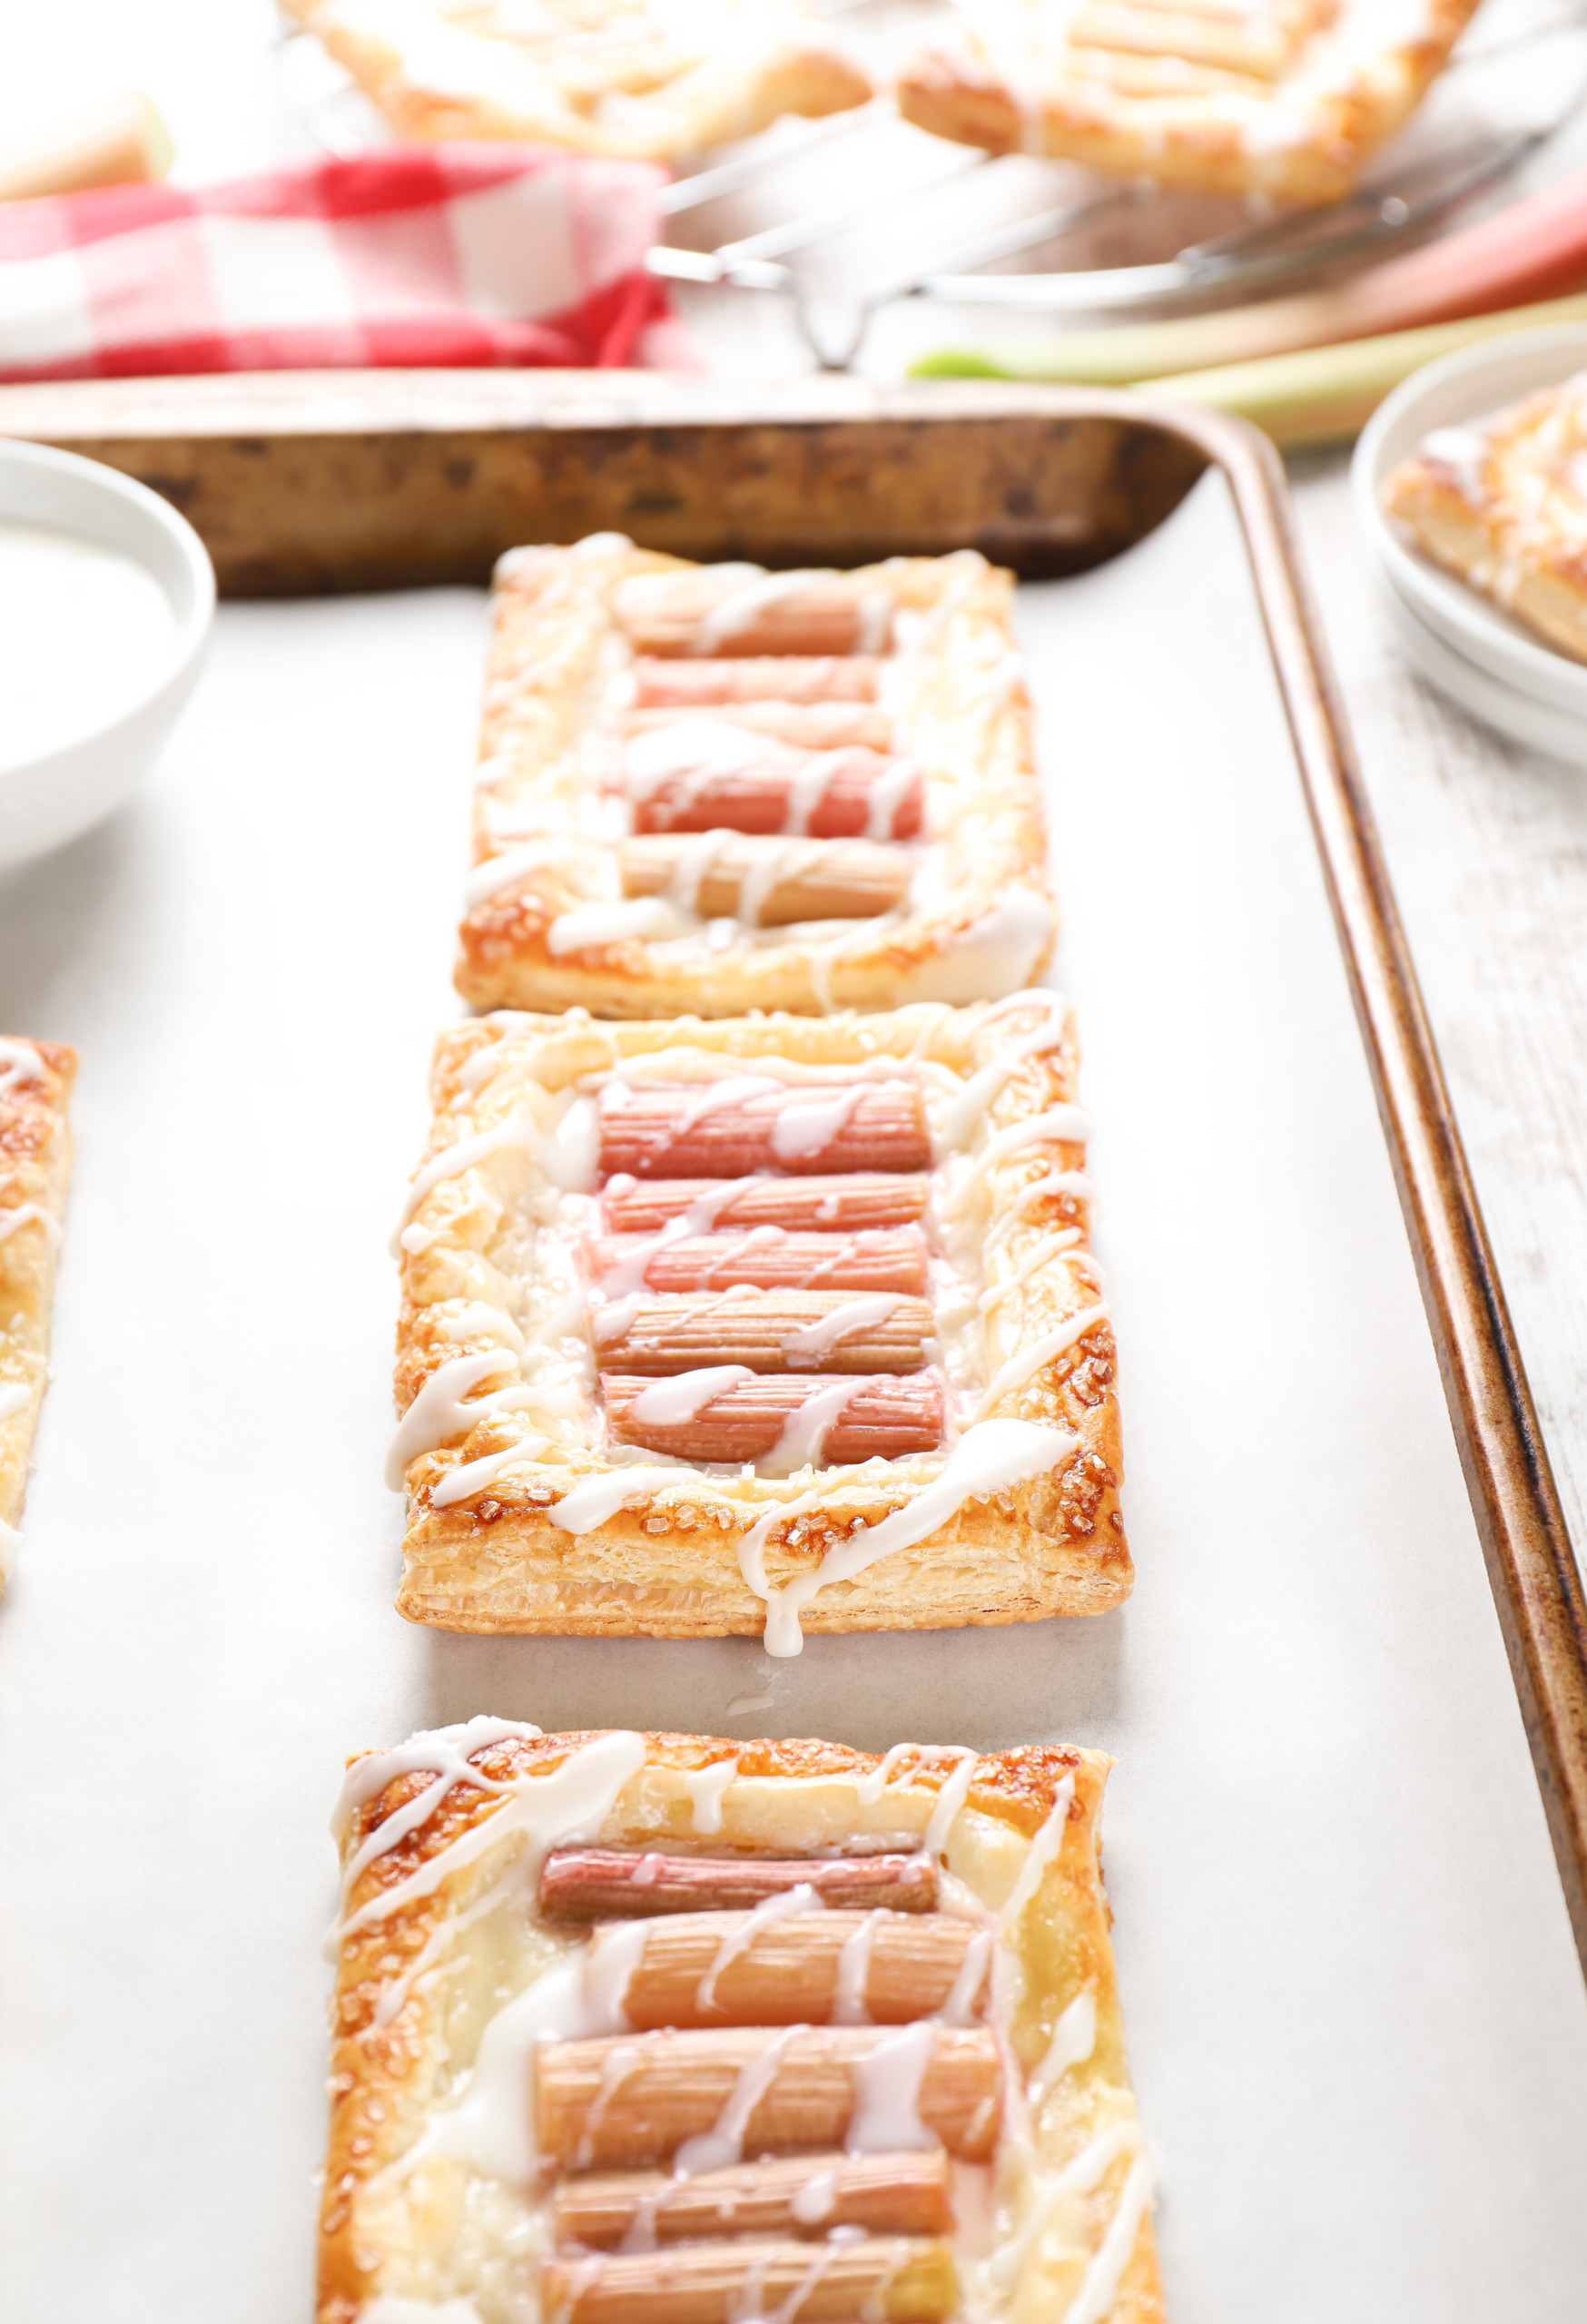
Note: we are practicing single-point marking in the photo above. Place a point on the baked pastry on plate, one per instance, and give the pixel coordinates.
(711, 788)
(646, 80)
(714, 1326)
(660, 2029)
(1283, 97)
(1504, 504)
(35, 1161)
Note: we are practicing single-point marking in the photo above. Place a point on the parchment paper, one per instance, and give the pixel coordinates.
(1355, 2016)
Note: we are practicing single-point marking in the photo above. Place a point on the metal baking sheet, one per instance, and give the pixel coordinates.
(1354, 2011)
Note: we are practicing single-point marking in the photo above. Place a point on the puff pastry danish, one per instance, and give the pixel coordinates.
(1503, 505)
(660, 2029)
(711, 788)
(642, 79)
(1284, 97)
(718, 1326)
(35, 1161)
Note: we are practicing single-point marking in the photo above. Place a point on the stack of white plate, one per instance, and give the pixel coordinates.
(1462, 643)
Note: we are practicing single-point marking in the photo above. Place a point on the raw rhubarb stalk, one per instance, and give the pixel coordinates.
(890, 2279)
(859, 1202)
(884, 1418)
(729, 1128)
(625, 2100)
(769, 1331)
(806, 1968)
(767, 883)
(809, 725)
(602, 1883)
(823, 795)
(774, 677)
(875, 1259)
(807, 2195)
(721, 609)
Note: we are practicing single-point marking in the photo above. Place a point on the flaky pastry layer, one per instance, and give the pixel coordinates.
(526, 1518)
(1286, 98)
(434, 2192)
(548, 927)
(1503, 505)
(623, 78)
(35, 1161)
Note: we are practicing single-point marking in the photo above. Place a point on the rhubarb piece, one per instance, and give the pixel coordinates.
(766, 882)
(875, 1259)
(623, 2101)
(597, 1884)
(746, 1122)
(771, 677)
(890, 2279)
(737, 609)
(857, 1203)
(809, 725)
(768, 1331)
(778, 1420)
(807, 2195)
(781, 791)
(795, 1962)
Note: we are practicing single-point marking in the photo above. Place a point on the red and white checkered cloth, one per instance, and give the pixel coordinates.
(455, 254)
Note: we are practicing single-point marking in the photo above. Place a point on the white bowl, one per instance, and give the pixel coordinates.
(1451, 393)
(51, 795)
(1526, 718)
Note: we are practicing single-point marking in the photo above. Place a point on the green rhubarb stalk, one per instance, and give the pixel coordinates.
(1322, 395)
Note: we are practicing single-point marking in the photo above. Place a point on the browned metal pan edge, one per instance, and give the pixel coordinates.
(322, 481)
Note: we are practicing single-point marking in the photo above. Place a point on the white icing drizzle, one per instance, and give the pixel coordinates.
(503, 871)
(622, 919)
(15, 1398)
(471, 1477)
(438, 1410)
(1056, 1182)
(887, 2088)
(518, 1131)
(800, 1898)
(705, 1787)
(951, 1797)
(19, 1062)
(722, 2146)
(699, 750)
(731, 616)
(478, 1317)
(817, 2199)
(1094, 2301)
(789, 861)
(598, 1499)
(30, 1214)
(1044, 1846)
(959, 2007)
(10, 1549)
(610, 1961)
(1074, 2038)
(1027, 1360)
(805, 1431)
(1067, 1123)
(970, 1105)
(669, 1403)
(990, 1457)
(887, 795)
(696, 858)
(807, 1126)
(997, 953)
(853, 1967)
(863, 1313)
(1060, 1243)
(1081, 2175)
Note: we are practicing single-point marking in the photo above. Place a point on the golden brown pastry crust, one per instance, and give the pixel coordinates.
(1503, 505)
(666, 1563)
(35, 1161)
(1108, 83)
(983, 924)
(415, 1985)
(614, 78)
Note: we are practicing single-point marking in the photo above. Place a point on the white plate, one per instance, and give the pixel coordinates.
(1522, 717)
(52, 795)
(1460, 387)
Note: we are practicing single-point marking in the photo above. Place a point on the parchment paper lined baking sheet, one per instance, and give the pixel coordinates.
(1357, 2021)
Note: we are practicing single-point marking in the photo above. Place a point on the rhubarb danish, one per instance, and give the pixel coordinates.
(658, 2029)
(35, 1161)
(1281, 97)
(717, 1326)
(642, 79)
(711, 788)
(1503, 503)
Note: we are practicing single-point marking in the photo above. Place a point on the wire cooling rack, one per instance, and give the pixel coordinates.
(842, 217)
